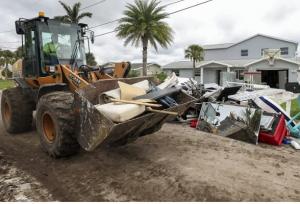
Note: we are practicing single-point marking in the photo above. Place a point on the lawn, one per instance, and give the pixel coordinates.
(6, 84)
(294, 108)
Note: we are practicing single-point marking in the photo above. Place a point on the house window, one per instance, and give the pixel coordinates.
(197, 72)
(240, 74)
(284, 51)
(263, 50)
(244, 53)
(176, 71)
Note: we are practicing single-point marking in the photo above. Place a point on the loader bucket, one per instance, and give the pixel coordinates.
(95, 129)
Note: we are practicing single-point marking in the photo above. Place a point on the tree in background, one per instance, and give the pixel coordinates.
(8, 57)
(73, 13)
(143, 24)
(196, 54)
(90, 59)
(161, 76)
(19, 53)
(133, 73)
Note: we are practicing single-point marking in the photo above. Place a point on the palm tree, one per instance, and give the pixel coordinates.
(73, 15)
(196, 54)
(143, 24)
(90, 59)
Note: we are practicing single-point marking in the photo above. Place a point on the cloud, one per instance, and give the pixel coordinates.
(220, 21)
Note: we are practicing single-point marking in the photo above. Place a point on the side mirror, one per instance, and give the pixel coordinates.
(92, 36)
(20, 27)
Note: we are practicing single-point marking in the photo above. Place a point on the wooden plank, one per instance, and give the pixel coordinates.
(136, 102)
(162, 111)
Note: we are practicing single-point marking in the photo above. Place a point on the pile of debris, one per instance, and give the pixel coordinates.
(246, 112)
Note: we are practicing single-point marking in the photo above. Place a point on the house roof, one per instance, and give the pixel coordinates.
(225, 63)
(140, 65)
(179, 65)
(228, 45)
(206, 63)
(189, 64)
(292, 61)
(217, 46)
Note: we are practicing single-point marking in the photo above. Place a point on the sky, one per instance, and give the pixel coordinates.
(219, 21)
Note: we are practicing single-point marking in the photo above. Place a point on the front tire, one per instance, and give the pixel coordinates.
(55, 121)
(16, 110)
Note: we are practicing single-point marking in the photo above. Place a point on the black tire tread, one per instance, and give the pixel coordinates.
(22, 107)
(61, 103)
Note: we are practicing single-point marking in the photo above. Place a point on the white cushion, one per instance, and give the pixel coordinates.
(120, 112)
(116, 93)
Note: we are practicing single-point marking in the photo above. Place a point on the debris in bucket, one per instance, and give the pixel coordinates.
(132, 100)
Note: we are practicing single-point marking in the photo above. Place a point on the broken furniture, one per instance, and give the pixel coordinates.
(268, 105)
(160, 95)
(230, 120)
(226, 92)
(120, 112)
(273, 129)
(237, 130)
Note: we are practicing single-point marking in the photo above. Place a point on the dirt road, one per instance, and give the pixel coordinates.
(175, 164)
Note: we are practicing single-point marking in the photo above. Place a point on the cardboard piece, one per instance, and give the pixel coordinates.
(128, 92)
(116, 93)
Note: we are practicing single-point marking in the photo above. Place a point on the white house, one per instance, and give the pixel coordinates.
(274, 59)
(152, 68)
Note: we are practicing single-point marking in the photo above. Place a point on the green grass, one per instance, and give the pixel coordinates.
(4, 84)
(294, 107)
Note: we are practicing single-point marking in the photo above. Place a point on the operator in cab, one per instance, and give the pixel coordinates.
(50, 50)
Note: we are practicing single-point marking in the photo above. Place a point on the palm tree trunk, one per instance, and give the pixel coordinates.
(194, 69)
(145, 54)
(6, 68)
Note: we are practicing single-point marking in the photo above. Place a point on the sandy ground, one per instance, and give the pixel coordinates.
(16, 185)
(175, 164)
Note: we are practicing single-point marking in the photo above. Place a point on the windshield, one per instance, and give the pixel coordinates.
(61, 43)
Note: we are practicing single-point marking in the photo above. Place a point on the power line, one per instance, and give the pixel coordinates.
(189, 7)
(113, 21)
(105, 33)
(109, 22)
(169, 4)
(180, 10)
(89, 6)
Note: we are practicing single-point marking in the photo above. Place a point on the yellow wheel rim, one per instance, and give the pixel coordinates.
(49, 128)
(7, 113)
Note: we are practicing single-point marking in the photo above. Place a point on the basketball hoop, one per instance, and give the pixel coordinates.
(271, 54)
(271, 60)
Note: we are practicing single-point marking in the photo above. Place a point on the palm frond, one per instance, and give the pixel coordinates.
(73, 13)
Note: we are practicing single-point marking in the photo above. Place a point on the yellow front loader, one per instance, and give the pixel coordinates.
(58, 85)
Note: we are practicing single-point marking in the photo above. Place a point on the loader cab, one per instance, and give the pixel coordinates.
(49, 43)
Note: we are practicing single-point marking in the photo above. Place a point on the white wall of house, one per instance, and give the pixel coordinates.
(211, 74)
(186, 73)
(254, 46)
(154, 69)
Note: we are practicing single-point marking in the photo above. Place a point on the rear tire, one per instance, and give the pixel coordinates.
(16, 110)
(55, 121)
